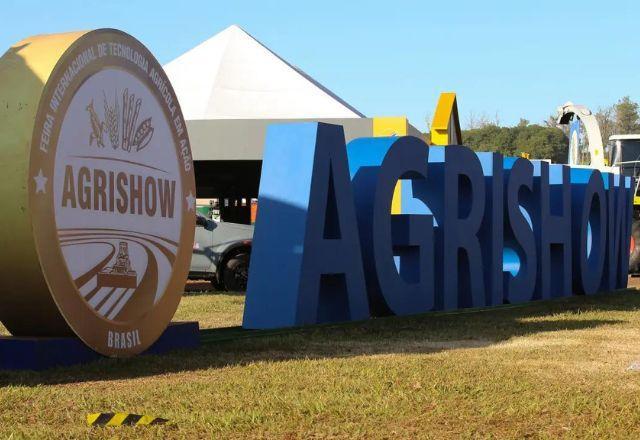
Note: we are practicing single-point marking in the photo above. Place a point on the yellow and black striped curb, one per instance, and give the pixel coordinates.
(120, 419)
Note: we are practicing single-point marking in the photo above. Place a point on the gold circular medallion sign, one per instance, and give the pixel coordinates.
(98, 191)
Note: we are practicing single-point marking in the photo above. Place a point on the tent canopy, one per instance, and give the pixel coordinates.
(234, 76)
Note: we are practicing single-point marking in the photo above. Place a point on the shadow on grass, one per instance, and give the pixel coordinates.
(427, 333)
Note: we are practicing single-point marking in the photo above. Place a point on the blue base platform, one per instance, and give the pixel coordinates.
(29, 353)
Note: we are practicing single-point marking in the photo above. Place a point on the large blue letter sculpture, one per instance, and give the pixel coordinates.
(306, 242)
(475, 229)
(397, 249)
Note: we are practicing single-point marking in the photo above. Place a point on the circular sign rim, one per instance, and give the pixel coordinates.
(90, 327)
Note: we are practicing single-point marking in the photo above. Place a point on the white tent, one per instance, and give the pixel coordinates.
(234, 76)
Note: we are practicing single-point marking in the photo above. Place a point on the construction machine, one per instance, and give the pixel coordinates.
(621, 154)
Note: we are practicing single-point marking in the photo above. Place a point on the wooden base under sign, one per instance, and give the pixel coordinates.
(24, 353)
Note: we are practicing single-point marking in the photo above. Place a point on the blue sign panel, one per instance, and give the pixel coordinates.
(476, 229)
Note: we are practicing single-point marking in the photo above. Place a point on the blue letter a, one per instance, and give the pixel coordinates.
(306, 265)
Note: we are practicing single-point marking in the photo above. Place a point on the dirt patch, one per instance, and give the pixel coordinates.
(634, 282)
(198, 286)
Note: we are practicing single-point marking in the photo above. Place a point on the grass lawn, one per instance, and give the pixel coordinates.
(544, 370)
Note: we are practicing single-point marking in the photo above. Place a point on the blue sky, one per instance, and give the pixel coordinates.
(513, 58)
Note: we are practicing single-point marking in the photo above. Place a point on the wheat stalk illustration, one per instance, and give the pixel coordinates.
(130, 110)
(111, 118)
(126, 116)
(143, 133)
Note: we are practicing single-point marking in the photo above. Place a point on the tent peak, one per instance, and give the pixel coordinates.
(232, 75)
(235, 27)
(235, 30)
(222, 37)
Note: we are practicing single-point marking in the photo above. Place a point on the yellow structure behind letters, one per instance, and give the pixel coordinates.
(445, 127)
(392, 126)
(445, 130)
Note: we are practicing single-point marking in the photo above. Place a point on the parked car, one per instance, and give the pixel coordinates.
(221, 253)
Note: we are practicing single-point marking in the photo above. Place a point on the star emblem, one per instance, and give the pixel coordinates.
(191, 201)
(41, 182)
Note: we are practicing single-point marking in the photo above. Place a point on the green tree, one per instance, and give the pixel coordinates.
(627, 119)
(539, 141)
(542, 142)
(606, 121)
(490, 138)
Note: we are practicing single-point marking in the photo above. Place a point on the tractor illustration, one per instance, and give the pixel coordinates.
(121, 274)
